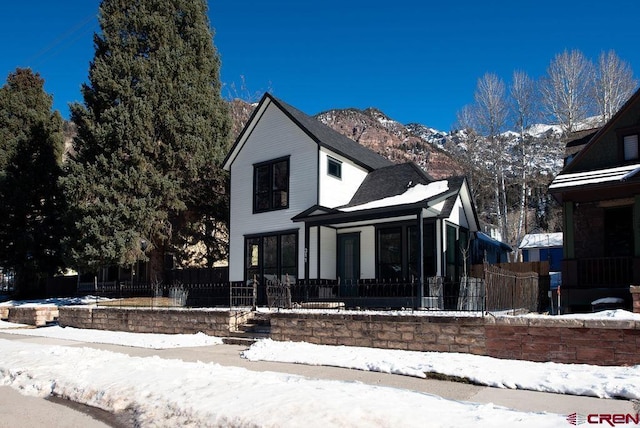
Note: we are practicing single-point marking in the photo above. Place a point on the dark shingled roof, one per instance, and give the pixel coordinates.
(333, 140)
(389, 181)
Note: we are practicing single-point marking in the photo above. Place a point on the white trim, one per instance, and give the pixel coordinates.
(593, 177)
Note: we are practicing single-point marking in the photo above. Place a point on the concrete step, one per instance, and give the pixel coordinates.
(238, 341)
(244, 337)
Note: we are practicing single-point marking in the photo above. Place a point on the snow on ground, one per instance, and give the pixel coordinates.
(611, 314)
(7, 325)
(159, 392)
(137, 340)
(574, 379)
(171, 392)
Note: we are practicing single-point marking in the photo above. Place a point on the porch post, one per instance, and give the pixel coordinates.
(306, 250)
(420, 259)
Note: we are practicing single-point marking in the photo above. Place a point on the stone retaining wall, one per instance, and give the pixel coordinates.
(599, 342)
(153, 320)
(413, 333)
(32, 315)
(609, 342)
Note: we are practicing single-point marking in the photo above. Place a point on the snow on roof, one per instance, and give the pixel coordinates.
(620, 173)
(541, 240)
(417, 193)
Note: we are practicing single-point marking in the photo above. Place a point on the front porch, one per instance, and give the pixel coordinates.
(587, 279)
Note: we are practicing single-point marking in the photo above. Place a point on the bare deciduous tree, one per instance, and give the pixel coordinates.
(567, 89)
(466, 144)
(614, 84)
(491, 114)
(523, 105)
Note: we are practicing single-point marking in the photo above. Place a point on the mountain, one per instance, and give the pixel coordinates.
(375, 130)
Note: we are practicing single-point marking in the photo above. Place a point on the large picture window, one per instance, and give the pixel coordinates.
(271, 185)
(272, 257)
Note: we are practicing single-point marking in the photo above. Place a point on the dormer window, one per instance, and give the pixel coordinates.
(631, 147)
(271, 185)
(334, 167)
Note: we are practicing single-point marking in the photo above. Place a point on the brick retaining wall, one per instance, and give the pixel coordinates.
(153, 320)
(599, 342)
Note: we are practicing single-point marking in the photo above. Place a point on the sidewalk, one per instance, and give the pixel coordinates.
(229, 355)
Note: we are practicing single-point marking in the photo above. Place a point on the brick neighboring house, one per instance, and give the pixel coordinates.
(599, 189)
(310, 203)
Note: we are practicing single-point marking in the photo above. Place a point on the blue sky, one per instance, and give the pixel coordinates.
(415, 60)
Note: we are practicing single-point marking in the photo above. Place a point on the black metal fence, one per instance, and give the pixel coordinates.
(438, 294)
(6, 281)
(499, 290)
(158, 294)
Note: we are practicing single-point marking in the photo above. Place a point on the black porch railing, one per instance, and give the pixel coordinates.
(438, 294)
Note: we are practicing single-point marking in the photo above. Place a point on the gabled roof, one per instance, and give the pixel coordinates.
(574, 165)
(323, 135)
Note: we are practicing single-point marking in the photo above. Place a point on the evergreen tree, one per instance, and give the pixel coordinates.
(31, 147)
(152, 134)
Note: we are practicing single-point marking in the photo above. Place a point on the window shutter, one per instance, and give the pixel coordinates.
(631, 147)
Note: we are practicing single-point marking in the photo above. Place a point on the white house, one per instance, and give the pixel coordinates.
(310, 203)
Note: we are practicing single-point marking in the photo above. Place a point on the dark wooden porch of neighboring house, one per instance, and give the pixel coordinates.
(587, 279)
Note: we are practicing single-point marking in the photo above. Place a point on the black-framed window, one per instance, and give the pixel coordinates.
(271, 185)
(272, 256)
(398, 249)
(334, 167)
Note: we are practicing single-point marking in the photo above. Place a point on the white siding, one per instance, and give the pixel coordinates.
(368, 252)
(313, 252)
(338, 191)
(273, 137)
(458, 215)
(328, 248)
(440, 246)
(534, 255)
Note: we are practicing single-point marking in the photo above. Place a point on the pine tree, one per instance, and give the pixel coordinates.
(152, 133)
(31, 147)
